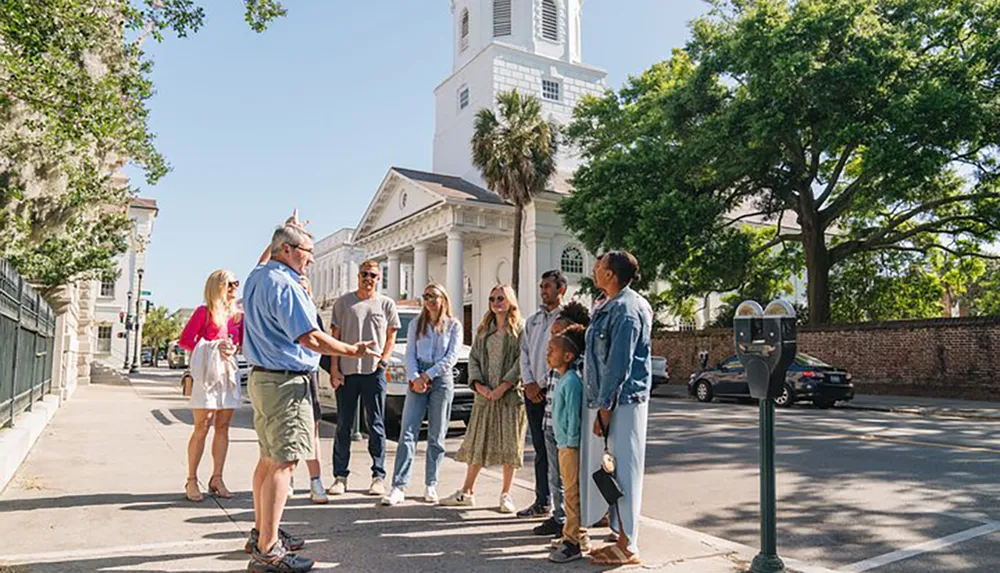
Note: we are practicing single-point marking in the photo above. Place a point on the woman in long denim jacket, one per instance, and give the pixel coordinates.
(617, 382)
(431, 353)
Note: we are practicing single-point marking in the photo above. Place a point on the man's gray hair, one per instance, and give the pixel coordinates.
(287, 235)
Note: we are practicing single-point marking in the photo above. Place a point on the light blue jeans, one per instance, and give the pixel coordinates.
(436, 405)
(555, 480)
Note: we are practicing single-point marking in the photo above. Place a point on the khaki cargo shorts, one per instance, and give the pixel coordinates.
(282, 415)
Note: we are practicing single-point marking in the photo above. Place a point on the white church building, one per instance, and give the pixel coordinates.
(444, 226)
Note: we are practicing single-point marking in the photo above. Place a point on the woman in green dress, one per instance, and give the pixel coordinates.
(497, 428)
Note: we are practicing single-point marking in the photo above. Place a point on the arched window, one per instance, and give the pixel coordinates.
(550, 20)
(464, 30)
(572, 261)
(501, 18)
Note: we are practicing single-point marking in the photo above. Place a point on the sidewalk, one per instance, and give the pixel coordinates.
(102, 490)
(898, 404)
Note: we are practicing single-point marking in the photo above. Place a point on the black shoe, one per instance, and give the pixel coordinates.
(278, 560)
(548, 527)
(289, 541)
(534, 511)
(568, 552)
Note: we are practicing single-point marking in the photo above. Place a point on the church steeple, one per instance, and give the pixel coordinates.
(549, 28)
(532, 46)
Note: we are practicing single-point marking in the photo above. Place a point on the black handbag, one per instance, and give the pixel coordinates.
(604, 477)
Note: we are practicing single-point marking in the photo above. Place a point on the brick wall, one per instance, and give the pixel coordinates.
(940, 357)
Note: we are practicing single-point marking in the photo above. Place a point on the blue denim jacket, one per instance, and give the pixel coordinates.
(617, 368)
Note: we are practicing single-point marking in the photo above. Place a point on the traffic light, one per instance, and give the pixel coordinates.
(121, 317)
(149, 306)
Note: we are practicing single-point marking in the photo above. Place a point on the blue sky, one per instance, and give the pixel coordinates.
(313, 112)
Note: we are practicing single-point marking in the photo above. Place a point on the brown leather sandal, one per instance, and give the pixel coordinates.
(615, 555)
(218, 488)
(196, 495)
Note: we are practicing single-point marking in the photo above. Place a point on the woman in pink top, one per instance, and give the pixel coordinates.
(213, 406)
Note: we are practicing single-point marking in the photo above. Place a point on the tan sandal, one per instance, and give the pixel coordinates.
(196, 496)
(219, 488)
(614, 555)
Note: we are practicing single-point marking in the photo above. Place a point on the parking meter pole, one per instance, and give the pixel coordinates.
(356, 427)
(767, 561)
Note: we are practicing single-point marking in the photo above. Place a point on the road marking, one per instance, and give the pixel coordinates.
(785, 426)
(926, 547)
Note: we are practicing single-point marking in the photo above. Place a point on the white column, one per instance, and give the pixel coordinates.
(456, 290)
(393, 276)
(419, 269)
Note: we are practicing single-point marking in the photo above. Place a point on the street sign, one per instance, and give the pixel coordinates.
(147, 293)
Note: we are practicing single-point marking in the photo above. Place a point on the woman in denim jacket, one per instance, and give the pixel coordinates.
(617, 382)
(431, 353)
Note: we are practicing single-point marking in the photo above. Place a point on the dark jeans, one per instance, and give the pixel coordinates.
(536, 422)
(371, 389)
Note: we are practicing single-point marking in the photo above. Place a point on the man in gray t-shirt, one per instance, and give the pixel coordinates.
(362, 315)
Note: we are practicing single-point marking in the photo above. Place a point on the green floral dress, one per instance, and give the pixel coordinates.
(497, 428)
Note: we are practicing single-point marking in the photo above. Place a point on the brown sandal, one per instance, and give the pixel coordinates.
(219, 488)
(614, 555)
(196, 496)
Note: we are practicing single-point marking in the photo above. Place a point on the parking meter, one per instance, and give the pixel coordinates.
(765, 343)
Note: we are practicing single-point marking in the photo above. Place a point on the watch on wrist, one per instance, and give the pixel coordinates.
(383, 363)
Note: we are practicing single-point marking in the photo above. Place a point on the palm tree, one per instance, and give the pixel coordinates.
(515, 152)
(159, 329)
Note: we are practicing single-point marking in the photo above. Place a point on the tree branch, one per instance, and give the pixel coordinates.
(835, 176)
(843, 201)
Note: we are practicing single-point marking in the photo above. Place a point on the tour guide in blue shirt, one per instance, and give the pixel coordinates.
(283, 344)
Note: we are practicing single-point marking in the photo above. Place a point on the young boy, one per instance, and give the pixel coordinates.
(567, 403)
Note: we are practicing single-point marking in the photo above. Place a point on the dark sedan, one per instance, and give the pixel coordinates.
(808, 379)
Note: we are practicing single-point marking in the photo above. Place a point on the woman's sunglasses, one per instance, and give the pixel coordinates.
(498, 298)
(431, 296)
(233, 284)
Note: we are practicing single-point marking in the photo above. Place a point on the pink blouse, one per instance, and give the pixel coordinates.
(200, 327)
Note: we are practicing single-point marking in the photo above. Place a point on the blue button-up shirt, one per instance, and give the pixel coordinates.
(277, 311)
(617, 364)
(432, 347)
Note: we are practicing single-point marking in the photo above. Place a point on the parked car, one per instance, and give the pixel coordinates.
(661, 371)
(176, 356)
(461, 407)
(242, 369)
(147, 357)
(808, 379)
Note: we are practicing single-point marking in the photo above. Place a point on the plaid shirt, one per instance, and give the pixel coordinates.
(550, 390)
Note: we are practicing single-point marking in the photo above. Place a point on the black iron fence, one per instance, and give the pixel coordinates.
(27, 336)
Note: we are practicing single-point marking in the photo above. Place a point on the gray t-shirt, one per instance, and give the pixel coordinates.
(361, 320)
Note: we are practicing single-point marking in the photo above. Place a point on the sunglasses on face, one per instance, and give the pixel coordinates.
(369, 275)
(498, 298)
(233, 284)
(301, 248)
(431, 296)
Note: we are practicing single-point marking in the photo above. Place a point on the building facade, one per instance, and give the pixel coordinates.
(335, 269)
(444, 226)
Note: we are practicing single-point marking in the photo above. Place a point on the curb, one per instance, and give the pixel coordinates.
(925, 412)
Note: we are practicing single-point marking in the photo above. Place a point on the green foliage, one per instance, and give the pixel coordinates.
(865, 125)
(159, 328)
(74, 89)
(983, 294)
(515, 152)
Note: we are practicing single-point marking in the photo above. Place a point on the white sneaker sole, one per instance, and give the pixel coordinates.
(320, 500)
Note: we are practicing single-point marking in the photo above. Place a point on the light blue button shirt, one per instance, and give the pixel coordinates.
(277, 311)
(432, 347)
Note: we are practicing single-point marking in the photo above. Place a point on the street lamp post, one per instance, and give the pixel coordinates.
(128, 328)
(135, 353)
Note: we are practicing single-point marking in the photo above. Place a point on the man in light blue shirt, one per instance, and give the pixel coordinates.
(283, 344)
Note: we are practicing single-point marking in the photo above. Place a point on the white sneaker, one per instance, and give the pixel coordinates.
(395, 497)
(459, 499)
(291, 488)
(431, 494)
(317, 493)
(377, 487)
(507, 503)
(339, 486)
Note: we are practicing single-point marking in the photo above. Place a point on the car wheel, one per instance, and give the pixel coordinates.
(703, 391)
(786, 398)
(824, 404)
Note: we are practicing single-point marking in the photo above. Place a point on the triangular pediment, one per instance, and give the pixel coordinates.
(397, 199)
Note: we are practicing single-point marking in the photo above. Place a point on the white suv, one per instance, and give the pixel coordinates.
(461, 407)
